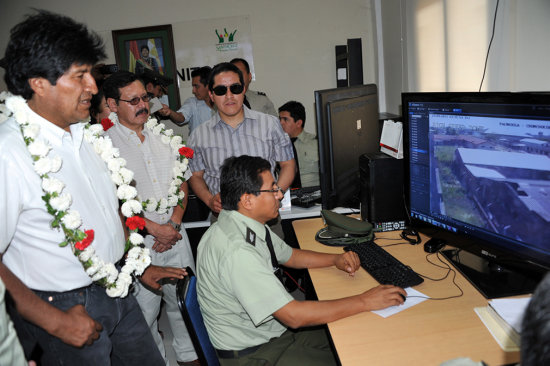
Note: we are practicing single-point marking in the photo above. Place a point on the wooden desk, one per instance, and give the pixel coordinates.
(426, 334)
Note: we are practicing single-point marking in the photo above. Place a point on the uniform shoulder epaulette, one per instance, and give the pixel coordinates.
(250, 236)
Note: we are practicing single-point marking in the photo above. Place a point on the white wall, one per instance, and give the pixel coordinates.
(441, 45)
(293, 41)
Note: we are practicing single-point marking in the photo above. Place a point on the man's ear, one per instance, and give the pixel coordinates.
(113, 106)
(300, 123)
(39, 85)
(246, 201)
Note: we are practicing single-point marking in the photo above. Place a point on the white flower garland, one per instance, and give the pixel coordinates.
(175, 194)
(58, 203)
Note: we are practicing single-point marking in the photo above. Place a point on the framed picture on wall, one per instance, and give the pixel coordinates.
(148, 48)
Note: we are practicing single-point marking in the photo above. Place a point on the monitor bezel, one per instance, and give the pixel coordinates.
(322, 99)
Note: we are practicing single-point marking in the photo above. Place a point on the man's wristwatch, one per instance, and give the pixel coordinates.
(177, 227)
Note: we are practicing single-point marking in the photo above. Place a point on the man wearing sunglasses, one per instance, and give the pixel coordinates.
(250, 317)
(152, 162)
(235, 130)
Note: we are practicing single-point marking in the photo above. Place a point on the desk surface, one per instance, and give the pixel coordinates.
(429, 333)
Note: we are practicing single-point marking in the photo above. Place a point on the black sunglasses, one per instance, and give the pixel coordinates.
(135, 101)
(222, 89)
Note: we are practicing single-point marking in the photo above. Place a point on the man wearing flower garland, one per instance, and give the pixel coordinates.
(151, 152)
(60, 229)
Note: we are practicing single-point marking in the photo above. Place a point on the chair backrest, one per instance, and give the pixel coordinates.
(186, 290)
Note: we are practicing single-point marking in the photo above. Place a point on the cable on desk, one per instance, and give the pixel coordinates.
(449, 270)
(401, 242)
(392, 245)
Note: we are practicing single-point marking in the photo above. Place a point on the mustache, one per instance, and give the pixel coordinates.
(144, 110)
(86, 96)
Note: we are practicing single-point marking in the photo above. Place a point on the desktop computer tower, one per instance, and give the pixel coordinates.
(382, 191)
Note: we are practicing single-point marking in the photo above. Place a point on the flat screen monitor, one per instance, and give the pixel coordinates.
(347, 127)
(479, 177)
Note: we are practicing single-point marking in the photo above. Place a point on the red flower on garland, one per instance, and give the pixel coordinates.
(135, 222)
(81, 245)
(187, 152)
(106, 123)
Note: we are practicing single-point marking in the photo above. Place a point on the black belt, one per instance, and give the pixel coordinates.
(236, 354)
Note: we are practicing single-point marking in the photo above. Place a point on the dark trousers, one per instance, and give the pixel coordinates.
(302, 347)
(124, 340)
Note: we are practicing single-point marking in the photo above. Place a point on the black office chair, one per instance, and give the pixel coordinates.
(186, 290)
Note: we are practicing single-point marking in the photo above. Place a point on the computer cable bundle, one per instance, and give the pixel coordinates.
(449, 271)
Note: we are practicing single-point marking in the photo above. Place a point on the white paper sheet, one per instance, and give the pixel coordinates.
(511, 310)
(411, 301)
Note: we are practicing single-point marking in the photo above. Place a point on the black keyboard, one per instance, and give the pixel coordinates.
(305, 197)
(384, 267)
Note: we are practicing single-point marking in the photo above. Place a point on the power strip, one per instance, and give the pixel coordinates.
(389, 226)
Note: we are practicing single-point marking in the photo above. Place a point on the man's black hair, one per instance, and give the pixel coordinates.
(223, 67)
(296, 110)
(144, 46)
(46, 45)
(535, 332)
(95, 103)
(117, 81)
(155, 78)
(240, 175)
(203, 73)
(243, 61)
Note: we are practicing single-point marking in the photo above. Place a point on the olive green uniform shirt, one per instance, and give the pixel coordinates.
(308, 158)
(260, 102)
(236, 287)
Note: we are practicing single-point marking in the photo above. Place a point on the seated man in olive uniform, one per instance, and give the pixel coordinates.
(247, 311)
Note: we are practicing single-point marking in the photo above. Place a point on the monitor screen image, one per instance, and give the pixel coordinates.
(479, 172)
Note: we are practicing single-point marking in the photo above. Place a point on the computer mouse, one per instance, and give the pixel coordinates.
(434, 245)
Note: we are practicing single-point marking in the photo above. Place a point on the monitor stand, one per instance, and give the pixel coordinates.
(489, 278)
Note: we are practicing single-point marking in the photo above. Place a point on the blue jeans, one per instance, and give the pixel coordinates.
(124, 340)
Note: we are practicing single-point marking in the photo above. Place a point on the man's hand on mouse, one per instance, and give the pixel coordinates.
(383, 296)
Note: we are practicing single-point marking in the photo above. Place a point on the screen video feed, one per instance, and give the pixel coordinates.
(492, 173)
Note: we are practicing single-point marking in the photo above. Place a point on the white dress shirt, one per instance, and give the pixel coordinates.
(30, 247)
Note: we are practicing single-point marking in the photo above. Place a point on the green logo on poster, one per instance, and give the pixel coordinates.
(226, 36)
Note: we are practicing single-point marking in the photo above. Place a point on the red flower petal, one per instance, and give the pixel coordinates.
(135, 222)
(187, 152)
(81, 245)
(106, 123)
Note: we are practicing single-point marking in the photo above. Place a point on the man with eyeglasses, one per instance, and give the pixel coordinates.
(152, 162)
(235, 130)
(248, 314)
